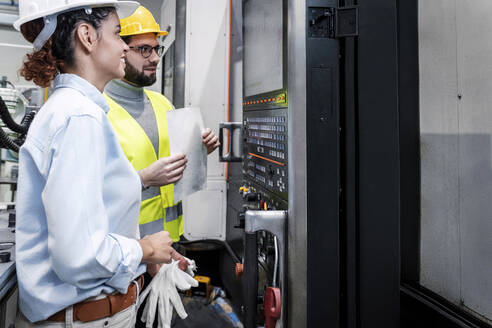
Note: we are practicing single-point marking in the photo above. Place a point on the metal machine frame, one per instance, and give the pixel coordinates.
(343, 210)
(360, 232)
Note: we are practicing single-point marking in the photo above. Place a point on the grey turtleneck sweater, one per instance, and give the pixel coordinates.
(137, 104)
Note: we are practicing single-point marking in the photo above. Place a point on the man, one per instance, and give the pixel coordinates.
(139, 119)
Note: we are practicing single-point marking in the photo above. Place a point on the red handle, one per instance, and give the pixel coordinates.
(273, 306)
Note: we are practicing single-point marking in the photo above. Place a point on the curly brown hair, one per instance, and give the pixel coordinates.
(58, 52)
(40, 66)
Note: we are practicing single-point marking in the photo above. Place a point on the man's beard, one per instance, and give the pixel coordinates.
(133, 75)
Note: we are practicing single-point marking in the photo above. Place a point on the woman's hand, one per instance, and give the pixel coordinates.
(183, 263)
(153, 269)
(156, 248)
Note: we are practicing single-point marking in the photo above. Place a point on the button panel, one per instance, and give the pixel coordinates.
(265, 149)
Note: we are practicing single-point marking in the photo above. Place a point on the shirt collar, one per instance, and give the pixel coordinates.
(77, 83)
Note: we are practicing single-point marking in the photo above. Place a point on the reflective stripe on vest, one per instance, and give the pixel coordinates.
(172, 213)
(159, 205)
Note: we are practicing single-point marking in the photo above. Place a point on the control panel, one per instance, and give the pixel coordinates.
(266, 156)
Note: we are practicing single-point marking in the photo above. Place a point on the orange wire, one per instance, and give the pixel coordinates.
(267, 159)
(229, 88)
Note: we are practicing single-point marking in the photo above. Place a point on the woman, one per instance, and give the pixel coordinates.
(78, 253)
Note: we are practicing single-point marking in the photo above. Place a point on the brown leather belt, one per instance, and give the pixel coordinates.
(102, 308)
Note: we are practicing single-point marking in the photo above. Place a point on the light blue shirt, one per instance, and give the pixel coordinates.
(78, 203)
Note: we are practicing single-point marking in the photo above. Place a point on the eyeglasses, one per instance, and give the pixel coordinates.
(146, 50)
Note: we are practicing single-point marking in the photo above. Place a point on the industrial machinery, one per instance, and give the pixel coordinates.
(7, 97)
(305, 261)
(264, 141)
(265, 123)
(317, 209)
(267, 146)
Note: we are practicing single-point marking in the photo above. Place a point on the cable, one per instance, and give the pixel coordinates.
(274, 283)
(7, 142)
(27, 119)
(9, 121)
(20, 140)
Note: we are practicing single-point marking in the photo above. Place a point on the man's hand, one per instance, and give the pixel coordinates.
(164, 171)
(210, 140)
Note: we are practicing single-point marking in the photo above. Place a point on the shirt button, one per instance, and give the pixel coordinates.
(106, 323)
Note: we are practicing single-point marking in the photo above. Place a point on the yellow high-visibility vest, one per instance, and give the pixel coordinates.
(140, 152)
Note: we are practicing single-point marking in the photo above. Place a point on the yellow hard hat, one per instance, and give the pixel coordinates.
(140, 22)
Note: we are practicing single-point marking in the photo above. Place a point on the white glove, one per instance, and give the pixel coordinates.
(165, 307)
(155, 297)
(162, 293)
(191, 266)
(180, 280)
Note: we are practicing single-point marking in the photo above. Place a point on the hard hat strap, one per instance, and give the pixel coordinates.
(47, 31)
(49, 28)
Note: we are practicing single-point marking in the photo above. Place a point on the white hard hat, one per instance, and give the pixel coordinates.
(30, 10)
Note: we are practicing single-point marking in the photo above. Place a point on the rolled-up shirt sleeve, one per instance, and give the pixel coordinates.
(82, 249)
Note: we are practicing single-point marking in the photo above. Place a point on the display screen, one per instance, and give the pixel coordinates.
(263, 55)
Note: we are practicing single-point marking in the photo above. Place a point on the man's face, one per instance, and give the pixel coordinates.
(141, 71)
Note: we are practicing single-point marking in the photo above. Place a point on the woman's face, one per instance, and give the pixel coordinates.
(111, 50)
